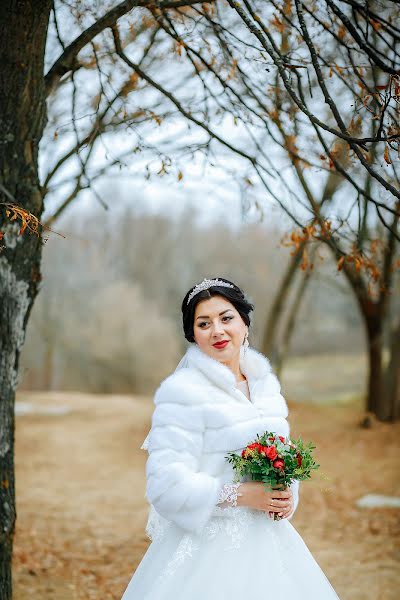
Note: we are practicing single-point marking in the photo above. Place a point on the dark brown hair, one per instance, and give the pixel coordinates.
(234, 295)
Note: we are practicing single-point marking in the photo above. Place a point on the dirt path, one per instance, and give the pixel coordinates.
(82, 512)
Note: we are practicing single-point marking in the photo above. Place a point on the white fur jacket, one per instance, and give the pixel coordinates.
(200, 415)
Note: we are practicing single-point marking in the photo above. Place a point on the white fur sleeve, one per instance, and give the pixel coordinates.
(176, 486)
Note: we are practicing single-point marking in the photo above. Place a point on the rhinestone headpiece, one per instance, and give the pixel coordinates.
(207, 283)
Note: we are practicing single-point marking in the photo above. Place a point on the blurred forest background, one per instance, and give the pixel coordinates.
(108, 316)
(165, 160)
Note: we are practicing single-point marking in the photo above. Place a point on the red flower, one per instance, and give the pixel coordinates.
(299, 460)
(278, 464)
(250, 447)
(271, 439)
(271, 453)
(282, 439)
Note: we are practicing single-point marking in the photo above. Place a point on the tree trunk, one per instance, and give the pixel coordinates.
(374, 326)
(383, 385)
(373, 317)
(268, 344)
(23, 30)
(390, 409)
(291, 322)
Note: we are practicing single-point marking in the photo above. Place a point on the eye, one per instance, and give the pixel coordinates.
(225, 318)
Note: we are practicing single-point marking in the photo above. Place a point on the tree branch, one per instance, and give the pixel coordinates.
(365, 47)
(68, 59)
(172, 98)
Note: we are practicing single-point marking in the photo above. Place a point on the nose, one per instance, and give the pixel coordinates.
(217, 328)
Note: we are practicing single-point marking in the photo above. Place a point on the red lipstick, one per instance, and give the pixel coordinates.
(220, 345)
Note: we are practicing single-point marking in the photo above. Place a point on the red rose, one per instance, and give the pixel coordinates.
(282, 439)
(252, 446)
(271, 439)
(249, 448)
(299, 460)
(278, 463)
(271, 453)
(263, 450)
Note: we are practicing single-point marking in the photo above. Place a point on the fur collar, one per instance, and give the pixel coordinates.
(253, 365)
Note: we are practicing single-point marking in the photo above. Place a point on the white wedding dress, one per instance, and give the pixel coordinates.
(240, 553)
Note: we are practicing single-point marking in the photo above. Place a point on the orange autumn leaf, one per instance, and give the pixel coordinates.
(386, 156)
(130, 84)
(299, 238)
(341, 32)
(233, 69)
(156, 118)
(304, 262)
(178, 47)
(278, 24)
(287, 8)
(28, 220)
(376, 244)
(23, 227)
(358, 263)
(375, 24)
(339, 69)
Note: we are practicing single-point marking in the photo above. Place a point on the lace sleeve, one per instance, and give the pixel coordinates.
(228, 495)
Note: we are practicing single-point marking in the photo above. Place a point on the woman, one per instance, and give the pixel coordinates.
(213, 539)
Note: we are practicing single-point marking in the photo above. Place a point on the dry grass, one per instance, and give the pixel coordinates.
(82, 512)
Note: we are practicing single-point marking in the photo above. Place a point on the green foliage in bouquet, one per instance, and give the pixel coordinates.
(275, 460)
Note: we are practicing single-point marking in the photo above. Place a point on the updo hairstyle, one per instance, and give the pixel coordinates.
(234, 295)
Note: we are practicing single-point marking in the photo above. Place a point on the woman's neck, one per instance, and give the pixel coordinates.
(235, 368)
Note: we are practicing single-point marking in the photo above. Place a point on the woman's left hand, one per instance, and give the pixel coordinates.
(286, 512)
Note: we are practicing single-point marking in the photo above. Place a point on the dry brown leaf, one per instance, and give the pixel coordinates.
(386, 155)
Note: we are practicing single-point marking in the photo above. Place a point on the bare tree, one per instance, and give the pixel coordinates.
(24, 29)
(367, 256)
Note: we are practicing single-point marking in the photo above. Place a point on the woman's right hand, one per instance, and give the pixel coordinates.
(254, 494)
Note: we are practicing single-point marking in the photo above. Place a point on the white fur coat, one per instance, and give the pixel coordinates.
(200, 415)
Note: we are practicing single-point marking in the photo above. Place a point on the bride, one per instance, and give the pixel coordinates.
(212, 538)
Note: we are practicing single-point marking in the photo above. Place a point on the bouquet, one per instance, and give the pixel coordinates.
(275, 460)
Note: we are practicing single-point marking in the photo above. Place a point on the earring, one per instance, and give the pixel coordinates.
(246, 341)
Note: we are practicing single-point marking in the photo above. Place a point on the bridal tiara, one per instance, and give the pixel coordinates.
(207, 283)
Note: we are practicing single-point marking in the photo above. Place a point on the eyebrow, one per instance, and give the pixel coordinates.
(221, 313)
